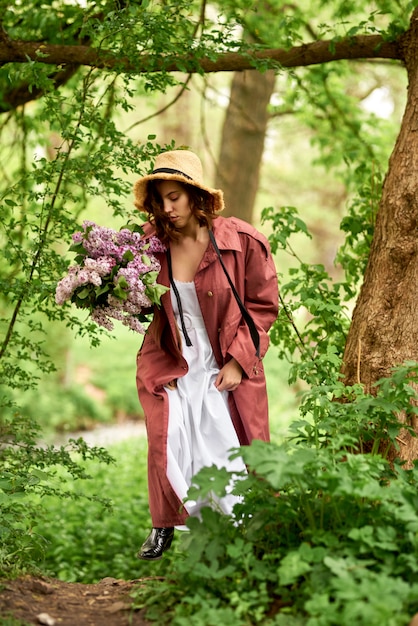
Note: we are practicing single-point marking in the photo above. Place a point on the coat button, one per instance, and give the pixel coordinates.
(210, 294)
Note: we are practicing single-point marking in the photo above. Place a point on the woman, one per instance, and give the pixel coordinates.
(200, 377)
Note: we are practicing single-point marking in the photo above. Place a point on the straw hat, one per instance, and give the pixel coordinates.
(181, 165)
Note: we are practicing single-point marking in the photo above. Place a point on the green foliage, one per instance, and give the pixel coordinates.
(12, 621)
(80, 155)
(311, 297)
(57, 409)
(320, 533)
(314, 319)
(289, 24)
(359, 223)
(38, 212)
(85, 542)
(29, 473)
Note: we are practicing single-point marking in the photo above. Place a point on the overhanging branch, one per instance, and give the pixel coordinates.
(361, 47)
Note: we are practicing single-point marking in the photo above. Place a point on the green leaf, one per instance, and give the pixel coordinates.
(122, 282)
(150, 277)
(79, 248)
(291, 568)
(83, 293)
(120, 293)
(101, 289)
(155, 292)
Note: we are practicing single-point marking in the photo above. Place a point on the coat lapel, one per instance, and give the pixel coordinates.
(226, 237)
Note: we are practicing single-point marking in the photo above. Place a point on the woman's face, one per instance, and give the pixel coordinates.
(176, 203)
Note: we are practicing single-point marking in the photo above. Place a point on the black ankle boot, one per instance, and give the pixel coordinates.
(158, 541)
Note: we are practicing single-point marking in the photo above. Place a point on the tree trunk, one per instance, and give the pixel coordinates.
(242, 143)
(384, 329)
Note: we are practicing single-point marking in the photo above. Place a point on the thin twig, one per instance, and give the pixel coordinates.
(165, 108)
(43, 234)
(291, 320)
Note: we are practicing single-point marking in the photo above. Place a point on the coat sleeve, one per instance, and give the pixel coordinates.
(260, 299)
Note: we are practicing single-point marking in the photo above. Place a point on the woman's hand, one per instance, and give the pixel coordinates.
(229, 376)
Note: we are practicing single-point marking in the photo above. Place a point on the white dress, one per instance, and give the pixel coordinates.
(200, 429)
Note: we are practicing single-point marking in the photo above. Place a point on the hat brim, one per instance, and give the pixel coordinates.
(140, 189)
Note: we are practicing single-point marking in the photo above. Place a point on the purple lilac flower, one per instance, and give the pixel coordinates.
(100, 242)
(64, 290)
(76, 277)
(103, 265)
(101, 318)
(134, 324)
(105, 250)
(103, 315)
(125, 237)
(77, 237)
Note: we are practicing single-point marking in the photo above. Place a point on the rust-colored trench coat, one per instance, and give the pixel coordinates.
(246, 255)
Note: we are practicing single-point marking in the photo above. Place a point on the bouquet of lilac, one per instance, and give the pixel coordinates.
(114, 275)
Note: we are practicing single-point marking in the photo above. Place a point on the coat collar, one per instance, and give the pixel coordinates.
(227, 238)
(226, 234)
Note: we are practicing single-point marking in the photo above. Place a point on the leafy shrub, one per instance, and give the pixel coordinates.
(321, 534)
(29, 473)
(84, 542)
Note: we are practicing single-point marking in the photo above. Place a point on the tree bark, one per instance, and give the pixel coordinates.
(360, 47)
(384, 329)
(242, 142)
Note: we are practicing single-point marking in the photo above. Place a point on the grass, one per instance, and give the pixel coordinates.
(86, 542)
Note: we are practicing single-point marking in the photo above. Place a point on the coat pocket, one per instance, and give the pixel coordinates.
(228, 331)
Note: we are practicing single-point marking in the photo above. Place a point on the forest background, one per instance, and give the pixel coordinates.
(302, 153)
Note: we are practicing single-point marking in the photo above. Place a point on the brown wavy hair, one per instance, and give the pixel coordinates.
(201, 204)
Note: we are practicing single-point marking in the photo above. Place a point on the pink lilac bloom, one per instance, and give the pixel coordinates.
(77, 237)
(135, 325)
(101, 318)
(101, 243)
(105, 249)
(67, 286)
(64, 290)
(76, 277)
(98, 241)
(125, 237)
(102, 315)
(102, 266)
(135, 284)
(139, 266)
(155, 245)
(135, 303)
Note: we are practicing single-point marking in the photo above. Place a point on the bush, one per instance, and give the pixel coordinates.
(322, 532)
(84, 542)
(30, 473)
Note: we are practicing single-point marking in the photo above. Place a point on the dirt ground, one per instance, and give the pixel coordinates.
(51, 602)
